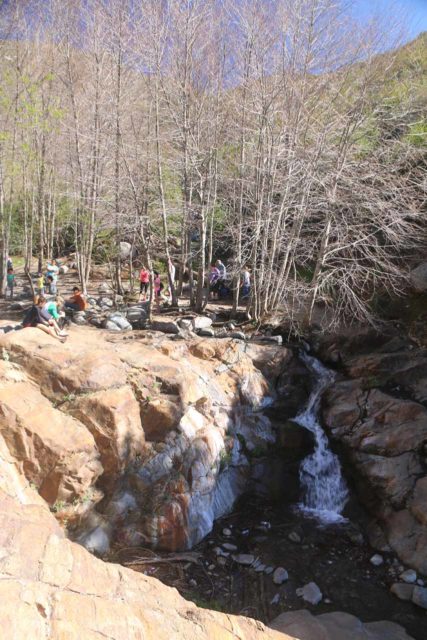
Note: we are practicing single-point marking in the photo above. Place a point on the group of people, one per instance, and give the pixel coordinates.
(218, 287)
(48, 282)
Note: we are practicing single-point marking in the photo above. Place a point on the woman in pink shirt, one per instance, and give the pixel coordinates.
(144, 280)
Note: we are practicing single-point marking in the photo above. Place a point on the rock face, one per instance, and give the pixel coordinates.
(52, 588)
(163, 429)
(379, 417)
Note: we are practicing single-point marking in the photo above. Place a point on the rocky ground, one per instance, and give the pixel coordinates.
(143, 439)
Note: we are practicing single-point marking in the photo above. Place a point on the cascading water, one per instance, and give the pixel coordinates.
(325, 490)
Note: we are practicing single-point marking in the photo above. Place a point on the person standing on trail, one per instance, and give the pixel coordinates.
(10, 281)
(222, 269)
(246, 282)
(144, 280)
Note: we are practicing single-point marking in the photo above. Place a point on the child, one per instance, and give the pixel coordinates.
(51, 285)
(38, 317)
(10, 281)
(40, 284)
(158, 286)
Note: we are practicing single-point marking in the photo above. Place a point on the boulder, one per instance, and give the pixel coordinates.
(63, 270)
(310, 593)
(165, 326)
(120, 321)
(335, 626)
(201, 322)
(125, 250)
(402, 590)
(109, 325)
(57, 453)
(419, 597)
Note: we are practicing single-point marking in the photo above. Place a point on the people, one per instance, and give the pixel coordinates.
(38, 317)
(220, 286)
(246, 282)
(53, 308)
(158, 286)
(214, 276)
(144, 280)
(10, 281)
(51, 285)
(52, 276)
(9, 263)
(76, 302)
(40, 284)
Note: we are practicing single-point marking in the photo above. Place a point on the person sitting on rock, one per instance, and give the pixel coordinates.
(38, 317)
(76, 302)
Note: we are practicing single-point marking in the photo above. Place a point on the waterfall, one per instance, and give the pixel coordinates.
(325, 490)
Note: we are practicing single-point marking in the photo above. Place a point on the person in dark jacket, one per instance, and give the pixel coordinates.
(39, 318)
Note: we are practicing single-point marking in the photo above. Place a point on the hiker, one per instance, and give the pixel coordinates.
(213, 280)
(158, 287)
(51, 285)
(144, 281)
(38, 317)
(246, 282)
(220, 286)
(10, 281)
(9, 263)
(76, 302)
(40, 284)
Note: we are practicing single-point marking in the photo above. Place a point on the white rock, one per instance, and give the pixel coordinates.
(377, 560)
(280, 575)
(226, 532)
(229, 547)
(245, 559)
(96, 541)
(409, 576)
(310, 593)
(275, 599)
(201, 322)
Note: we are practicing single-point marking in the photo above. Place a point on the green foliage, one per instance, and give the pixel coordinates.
(417, 134)
(58, 506)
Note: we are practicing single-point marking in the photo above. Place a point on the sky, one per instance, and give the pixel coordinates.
(414, 10)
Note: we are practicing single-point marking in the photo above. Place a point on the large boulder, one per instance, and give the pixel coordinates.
(57, 453)
(418, 277)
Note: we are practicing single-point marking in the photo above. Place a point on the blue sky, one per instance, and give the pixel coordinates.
(414, 10)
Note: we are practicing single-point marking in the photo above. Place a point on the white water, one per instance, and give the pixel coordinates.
(325, 490)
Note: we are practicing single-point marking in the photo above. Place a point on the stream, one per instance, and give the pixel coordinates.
(317, 539)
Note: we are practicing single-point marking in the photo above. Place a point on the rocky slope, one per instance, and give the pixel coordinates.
(142, 438)
(377, 413)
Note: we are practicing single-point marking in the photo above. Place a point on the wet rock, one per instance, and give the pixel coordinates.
(280, 575)
(310, 593)
(419, 597)
(409, 576)
(402, 590)
(246, 559)
(376, 560)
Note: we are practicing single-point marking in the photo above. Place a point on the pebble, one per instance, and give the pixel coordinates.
(419, 597)
(211, 567)
(420, 582)
(245, 559)
(280, 575)
(377, 560)
(310, 593)
(229, 547)
(268, 570)
(294, 537)
(402, 590)
(226, 532)
(192, 583)
(275, 599)
(260, 568)
(220, 552)
(409, 576)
